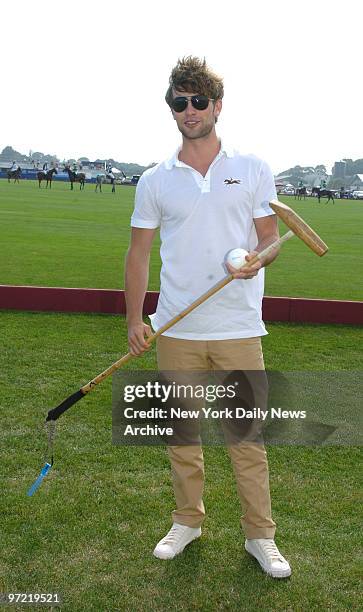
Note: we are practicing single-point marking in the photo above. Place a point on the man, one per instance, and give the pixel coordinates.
(206, 200)
(15, 166)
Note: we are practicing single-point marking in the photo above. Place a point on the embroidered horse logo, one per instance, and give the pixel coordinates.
(231, 181)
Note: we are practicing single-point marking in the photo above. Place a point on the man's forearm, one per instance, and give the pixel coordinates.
(263, 244)
(136, 283)
(267, 232)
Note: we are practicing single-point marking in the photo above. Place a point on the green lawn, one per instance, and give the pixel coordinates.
(90, 529)
(79, 239)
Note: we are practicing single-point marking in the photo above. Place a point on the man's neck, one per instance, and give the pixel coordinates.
(200, 152)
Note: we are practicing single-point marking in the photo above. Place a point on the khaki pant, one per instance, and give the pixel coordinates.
(248, 459)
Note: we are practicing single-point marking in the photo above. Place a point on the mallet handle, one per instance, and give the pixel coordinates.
(270, 248)
(222, 283)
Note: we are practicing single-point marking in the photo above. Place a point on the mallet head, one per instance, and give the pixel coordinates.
(299, 227)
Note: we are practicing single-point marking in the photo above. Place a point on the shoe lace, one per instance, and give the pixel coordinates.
(174, 534)
(270, 548)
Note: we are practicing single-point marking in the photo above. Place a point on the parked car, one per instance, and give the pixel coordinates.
(358, 194)
(288, 191)
(131, 181)
(347, 194)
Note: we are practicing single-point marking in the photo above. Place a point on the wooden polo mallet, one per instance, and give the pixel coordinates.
(297, 226)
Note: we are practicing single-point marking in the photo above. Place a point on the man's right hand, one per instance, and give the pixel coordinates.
(137, 335)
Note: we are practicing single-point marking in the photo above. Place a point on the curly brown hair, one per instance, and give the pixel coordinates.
(191, 74)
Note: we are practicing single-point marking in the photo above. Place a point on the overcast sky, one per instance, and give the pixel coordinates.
(88, 78)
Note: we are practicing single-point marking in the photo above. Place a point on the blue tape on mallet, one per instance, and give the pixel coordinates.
(39, 480)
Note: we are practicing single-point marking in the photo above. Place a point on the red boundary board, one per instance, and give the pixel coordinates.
(112, 301)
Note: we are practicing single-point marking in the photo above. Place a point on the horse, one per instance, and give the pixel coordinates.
(111, 177)
(99, 179)
(15, 174)
(323, 193)
(46, 176)
(300, 192)
(75, 177)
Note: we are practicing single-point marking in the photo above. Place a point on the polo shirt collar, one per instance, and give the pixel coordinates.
(174, 162)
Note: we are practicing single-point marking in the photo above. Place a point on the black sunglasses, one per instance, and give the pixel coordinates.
(199, 102)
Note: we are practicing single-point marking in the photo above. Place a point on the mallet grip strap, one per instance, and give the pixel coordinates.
(55, 413)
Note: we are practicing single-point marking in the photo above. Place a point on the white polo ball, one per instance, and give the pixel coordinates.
(236, 258)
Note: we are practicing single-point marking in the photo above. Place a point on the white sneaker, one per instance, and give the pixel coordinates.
(269, 557)
(176, 540)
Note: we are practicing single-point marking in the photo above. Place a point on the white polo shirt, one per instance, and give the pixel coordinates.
(200, 219)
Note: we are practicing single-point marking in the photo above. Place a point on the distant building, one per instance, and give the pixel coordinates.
(286, 179)
(356, 181)
(98, 165)
(279, 185)
(339, 169)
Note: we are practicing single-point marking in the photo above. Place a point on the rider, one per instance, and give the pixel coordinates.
(14, 167)
(75, 167)
(109, 172)
(323, 184)
(300, 184)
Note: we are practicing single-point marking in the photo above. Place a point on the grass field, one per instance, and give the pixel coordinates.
(79, 239)
(90, 530)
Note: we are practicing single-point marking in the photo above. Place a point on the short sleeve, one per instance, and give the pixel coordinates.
(146, 212)
(264, 193)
